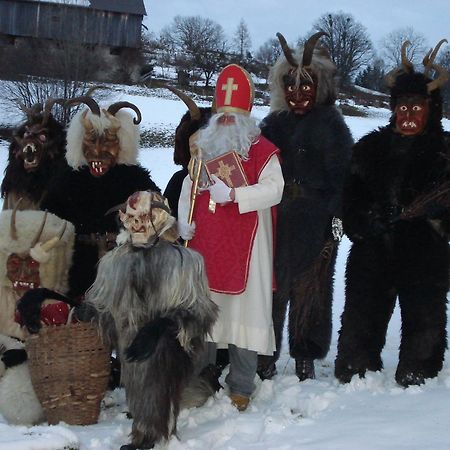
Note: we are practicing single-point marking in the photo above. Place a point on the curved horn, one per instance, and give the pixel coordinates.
(406, 63)
(431, 56)
(41, 228)
(63, 230)
(188, 101)
(119, 105)
(12, 227)
(48, 108)
(442, 78)
(309, 48)
(89, 101)
(48, 245)
(287, 51)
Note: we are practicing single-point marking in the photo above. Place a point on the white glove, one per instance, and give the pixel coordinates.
(186, 231)
(219, 191)
(336, 228)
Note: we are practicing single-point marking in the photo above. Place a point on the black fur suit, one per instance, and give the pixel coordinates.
(315, 151)
(32, 185)
(391, 257)
(83, 199)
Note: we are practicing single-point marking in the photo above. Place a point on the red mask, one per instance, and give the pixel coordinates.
(300, 99)
(101, 152)
(23, 272)
(411, 115)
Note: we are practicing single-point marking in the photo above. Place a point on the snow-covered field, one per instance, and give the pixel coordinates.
(373, 413)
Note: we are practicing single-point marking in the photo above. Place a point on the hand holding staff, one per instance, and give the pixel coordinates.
(195, 169)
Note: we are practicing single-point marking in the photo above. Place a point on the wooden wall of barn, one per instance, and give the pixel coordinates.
(64, 22)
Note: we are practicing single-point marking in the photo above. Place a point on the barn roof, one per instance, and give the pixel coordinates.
(121, 6)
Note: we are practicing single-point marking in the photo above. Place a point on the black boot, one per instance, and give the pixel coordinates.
(304, 368)
(267, 372)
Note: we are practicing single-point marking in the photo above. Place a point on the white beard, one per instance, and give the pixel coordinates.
(216, 139)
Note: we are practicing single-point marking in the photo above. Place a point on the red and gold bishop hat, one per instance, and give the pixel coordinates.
(234, 90)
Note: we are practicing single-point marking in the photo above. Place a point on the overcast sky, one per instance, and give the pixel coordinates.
(294, 18)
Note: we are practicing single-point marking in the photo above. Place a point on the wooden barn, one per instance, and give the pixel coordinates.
(103, 26)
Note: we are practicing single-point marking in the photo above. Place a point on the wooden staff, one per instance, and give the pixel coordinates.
(195, 169)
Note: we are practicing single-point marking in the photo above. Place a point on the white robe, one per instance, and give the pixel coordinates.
(245, 320)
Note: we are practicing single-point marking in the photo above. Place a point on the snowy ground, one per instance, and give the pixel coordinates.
(374, 413)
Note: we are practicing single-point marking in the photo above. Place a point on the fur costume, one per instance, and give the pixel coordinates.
(36, 155)
(85, 199)
(315, 150)
(26, 262)
(18, 402)
(35, 252)
(392, 254)
(189, 124)
(153, 304)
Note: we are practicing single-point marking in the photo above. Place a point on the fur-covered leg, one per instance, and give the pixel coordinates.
(154, 388)
(424, 338)
(369, 303)
(266, 364)
(310, 310)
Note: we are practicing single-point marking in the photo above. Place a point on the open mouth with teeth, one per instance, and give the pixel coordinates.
(30, 157)
(304, 104)
(24, 285)
(98, 168)
(409, 125)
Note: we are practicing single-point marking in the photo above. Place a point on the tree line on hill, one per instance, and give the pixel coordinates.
(197, 48)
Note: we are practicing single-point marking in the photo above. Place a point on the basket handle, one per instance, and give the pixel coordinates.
(70, 316)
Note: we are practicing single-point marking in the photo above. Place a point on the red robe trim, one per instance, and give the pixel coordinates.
(225, 238)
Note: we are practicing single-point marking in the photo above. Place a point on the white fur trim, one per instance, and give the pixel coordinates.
(128, 135)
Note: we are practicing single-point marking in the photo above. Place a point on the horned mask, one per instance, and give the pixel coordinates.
(415, 97)
(35, 138)
(102, 138)
(303, 78)
(35, 250)
(147, 217)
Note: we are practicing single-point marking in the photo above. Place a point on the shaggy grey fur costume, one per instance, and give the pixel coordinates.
(154, 307)
(315, 151)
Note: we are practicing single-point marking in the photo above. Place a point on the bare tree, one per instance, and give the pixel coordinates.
(242, 42)
(203, 40)
(391, 46)
(348, 43)
(267, 55)
(21, 94)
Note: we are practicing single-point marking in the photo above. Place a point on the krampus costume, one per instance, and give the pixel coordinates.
(36, 155)
(154, 307)
(189, 124)
(35, 251)
(315, 148)
(102, 147)
(396, 213)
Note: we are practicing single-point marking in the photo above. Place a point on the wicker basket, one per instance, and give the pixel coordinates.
(69, 367)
